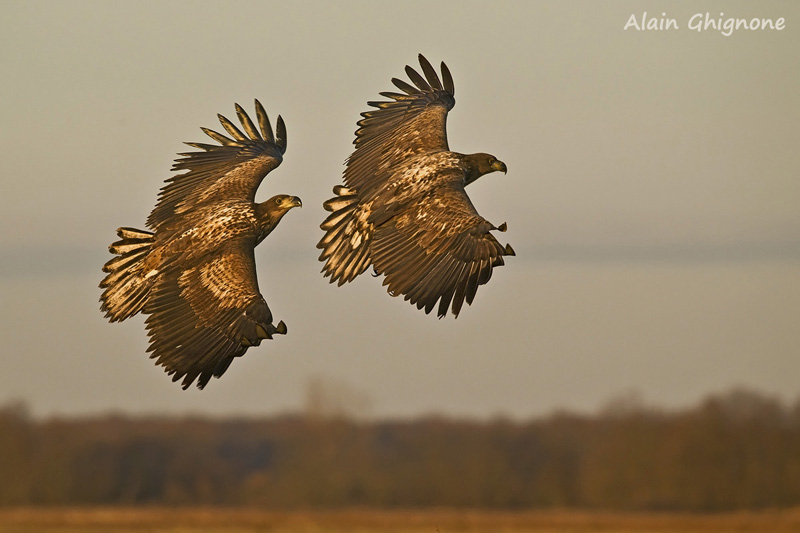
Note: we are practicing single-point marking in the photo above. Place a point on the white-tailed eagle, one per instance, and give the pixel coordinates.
(403, 208)
(194, 274)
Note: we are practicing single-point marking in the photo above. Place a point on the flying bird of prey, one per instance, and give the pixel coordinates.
(404, 210)
(194, 274)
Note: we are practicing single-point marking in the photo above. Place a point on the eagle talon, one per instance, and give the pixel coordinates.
(263, 333)
(247, 343)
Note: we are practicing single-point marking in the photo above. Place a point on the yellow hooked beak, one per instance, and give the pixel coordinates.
(499, 165)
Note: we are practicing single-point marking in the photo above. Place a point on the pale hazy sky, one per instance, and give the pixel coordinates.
(652, 198)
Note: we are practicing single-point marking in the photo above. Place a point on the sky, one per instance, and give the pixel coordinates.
(652, 199)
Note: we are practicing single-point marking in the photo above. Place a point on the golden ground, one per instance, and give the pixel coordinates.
(234, 520)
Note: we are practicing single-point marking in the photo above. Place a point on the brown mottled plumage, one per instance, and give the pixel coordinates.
(194, 275)
(403, 208)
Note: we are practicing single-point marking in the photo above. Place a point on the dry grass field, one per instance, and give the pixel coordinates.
(231, 520)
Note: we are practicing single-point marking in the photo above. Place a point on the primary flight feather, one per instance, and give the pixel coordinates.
(194, 274)
(404, 209)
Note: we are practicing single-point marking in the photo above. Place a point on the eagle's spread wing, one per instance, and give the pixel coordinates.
(438, 250)
(232, 170)
(203, 315)
(411, 123)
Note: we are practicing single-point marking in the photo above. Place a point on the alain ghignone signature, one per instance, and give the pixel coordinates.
(700, 22)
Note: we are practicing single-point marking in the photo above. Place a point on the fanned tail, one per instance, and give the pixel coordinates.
(126, 286)
(348, 235)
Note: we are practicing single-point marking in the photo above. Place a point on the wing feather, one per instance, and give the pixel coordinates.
(404, 86)
(280, 134)
(203, 314)
(418, 80)
(232, 170)
(437, 251)
(263, 122)
(231, 128)
(430, 73)
(247, 124)
(405, 125)
(220, 138)
(449, 86)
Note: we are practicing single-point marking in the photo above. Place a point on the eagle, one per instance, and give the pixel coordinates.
(403, 208)
(194, 274)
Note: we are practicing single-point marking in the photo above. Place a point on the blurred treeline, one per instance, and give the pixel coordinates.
(739, 450)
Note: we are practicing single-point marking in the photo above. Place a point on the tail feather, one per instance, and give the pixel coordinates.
(348, 234)
(132, 233)
(118, 264)
(126, 285)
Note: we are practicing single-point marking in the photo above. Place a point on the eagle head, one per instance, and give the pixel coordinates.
(271, 212)
(476, 165)
(283, 202)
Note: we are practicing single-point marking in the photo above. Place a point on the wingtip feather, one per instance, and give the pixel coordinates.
(231, 128)
(247, 124)
(263, 122)
(280, 134)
